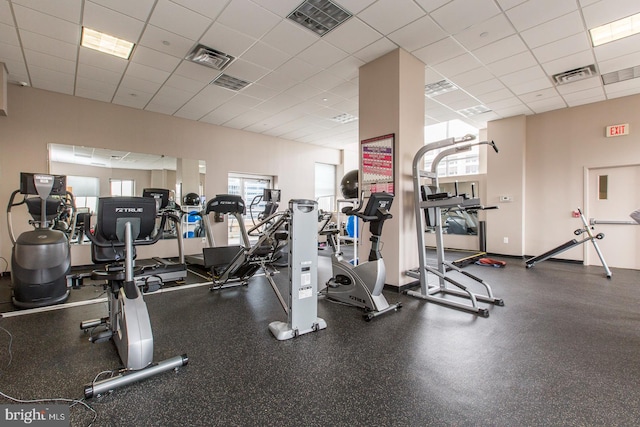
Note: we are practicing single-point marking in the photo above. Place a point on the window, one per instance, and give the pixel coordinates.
(325, 189)
(465, 163)
(249, 187)
(85, 190)
(122, 187)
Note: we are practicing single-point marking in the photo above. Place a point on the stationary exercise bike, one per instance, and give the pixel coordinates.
(124, 223)
(362, 285)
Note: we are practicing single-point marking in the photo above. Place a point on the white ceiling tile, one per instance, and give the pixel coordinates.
(508, 4)
(501, 49)
(348, 68)
(432, 76)
(102, 60)
(322, 54)
(461, 14)
(523, 76)
(618, 48)
(439, 51)
(582, 101)
(179, 20)
(596, 93)
(389, 15)
(624, 88)
(457, 65)
(265, 56)
(52, 80)
(160, 108)
(353, 35)
(247, 118)
(486, 32)
(143, 72)
(226, 40)
(531, 85)
(297, 69)
(87, 85)
(562, 48)
(548, 104)
(48, 45)
(511, 101)
(139, 9)
(606, 11)
(196, 72)
(17, 70)
(245, 70)
(568, 63)
(260, 91)
(47, 25)
(375, 50)
(620, 63)
(114, 23)
(50, 62)
(278, 81)
(93, 94)
(8, 35)
(417, 34)
(512, 64)
(152, 58)
(353, 6)
(472, 77)
(431, 5)
(488, 87)
(324, 81)
(281, 8)
(100, 74)
(138, 84)
(538, 95)
(289, 37)
(131, 98)
(535, 12)
(208, 99)
(67, 10)
(554, 30)
(6, 16)
(8, 51)
(514, 111)
(584, 3)
(346, 90)
(183, 84)
(208, 8)
(248, 18)
(166, 42)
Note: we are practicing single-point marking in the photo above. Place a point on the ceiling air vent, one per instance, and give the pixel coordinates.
(228, 82)
(319, 16)
(574, 75)
(209, 57)
(621, 75)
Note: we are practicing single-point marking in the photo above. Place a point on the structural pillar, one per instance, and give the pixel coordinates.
(392, 102)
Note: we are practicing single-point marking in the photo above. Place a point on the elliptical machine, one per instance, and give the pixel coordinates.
(40, 258)
(122, 224)
(362, 285)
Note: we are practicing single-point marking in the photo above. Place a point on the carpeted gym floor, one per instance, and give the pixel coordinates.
(563, 351)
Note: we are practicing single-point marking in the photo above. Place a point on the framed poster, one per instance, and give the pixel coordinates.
(376, 164)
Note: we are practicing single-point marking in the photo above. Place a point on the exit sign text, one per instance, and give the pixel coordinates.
(618, 130)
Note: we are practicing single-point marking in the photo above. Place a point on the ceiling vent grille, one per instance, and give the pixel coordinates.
(319, 16)
(621, 75)
(574, 75)
(228, 82)
(209, 57)
(438, 88)
(474, 111)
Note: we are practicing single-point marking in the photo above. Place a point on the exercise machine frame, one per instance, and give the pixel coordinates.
(444, 269)
(591, 237)
(124, 223)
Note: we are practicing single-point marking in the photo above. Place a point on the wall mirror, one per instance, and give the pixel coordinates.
(96, 172)
(460, 221)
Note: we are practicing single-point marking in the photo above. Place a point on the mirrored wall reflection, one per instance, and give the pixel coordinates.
(97, 172)
(460, 221)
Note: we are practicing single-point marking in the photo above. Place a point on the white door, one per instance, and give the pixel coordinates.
(613, 193)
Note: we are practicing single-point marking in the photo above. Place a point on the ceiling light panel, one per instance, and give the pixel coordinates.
(344, 118)
(105, 43)
(615, 30)
(319, 16)
(474, 111)
(438, 88)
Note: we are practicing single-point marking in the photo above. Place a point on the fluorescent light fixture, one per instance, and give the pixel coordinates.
(615, 30)
(438, 88)
(474, 111)
(106, 43)
(344, 118)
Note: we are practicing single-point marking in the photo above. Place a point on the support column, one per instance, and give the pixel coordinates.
(392, 101)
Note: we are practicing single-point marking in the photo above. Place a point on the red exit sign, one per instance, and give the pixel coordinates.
(618, 130)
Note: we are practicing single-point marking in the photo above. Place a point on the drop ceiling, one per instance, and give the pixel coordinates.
(499, 54)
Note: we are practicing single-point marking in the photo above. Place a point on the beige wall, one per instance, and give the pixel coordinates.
(39, 117)
(552, 150)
